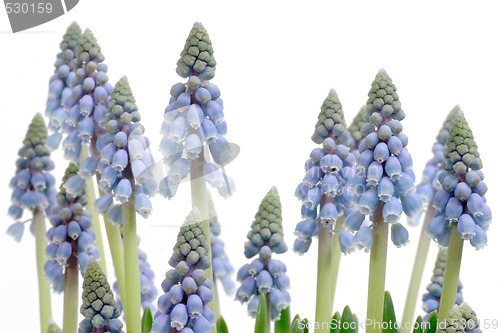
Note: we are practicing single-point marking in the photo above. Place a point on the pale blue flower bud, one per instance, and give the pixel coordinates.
(143, 205)
(392, 210)
(381, 152)
(179, 316)
(480, 239)
(363, 238)
(475, 205)
(453, 209)
(374, 173)
(368, 202)
(385, 189)
(120, 160)
(346, 242)
(102, 204)
(16, 230)
(399, 235)
(412, 204)
(328, 214)
(393, 168)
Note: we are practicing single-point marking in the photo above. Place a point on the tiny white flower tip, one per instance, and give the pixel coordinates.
(382, 71)
(87, 30)
(333, 92)
(92, 260)
(198, 25)
(274, 190)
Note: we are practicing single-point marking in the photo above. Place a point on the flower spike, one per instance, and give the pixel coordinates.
(461, 199)
(98, 303)
(264, 274)
(194, 119)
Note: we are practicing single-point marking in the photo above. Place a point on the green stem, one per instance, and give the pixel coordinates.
(132, 277)
(199, 199)
(451, 273)
(268, 319)
(96, 225)
(376, 284)
(43, 287)
(71, 309)
(115, 243)
(336, 255)
(323, 294)
(417, 273)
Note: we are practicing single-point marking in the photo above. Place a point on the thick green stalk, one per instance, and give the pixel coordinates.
(132, 275)
(115, 243)
(417, 273)
(336, 255)
(96, 225)
(268, 302)
(451, 273)
(376, 283)
(199, 199)
(324, 302)
(71, 297)
(43, 287)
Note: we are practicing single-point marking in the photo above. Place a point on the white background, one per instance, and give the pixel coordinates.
(277, 61)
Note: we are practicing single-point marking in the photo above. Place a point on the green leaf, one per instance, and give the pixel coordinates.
(389, 315)
(147, 320)
(294, 327)
(348, 323)
(261, 321)
(355, 318)
(283, 324)
(432, 323)
(335, 327)
(305, 329)
(221, 326)
(418, 325)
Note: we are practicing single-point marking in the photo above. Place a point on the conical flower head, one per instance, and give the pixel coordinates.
(86, 104)
(355, 128)
(429, 184)
(267, 228)
(125, 165)
(331, 121)
(197, 58)
(33, 185)
(461, 199)
(194, 122)
(98, 303)
(60, 82)
(192, 243)
(431, 299)
(384, 166)
(70, 235)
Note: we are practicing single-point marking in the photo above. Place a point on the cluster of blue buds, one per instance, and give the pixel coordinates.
(148, 289)
(195, 118)
(432, 297)
(264, 274)
(33, 184)
(86, 104)
(125, 165)
(384, 177)
(188, 291)
(98, 303)
(461, 199)
(70, 236)
(222, 268)
(60, 85)
(460, 319)
(327, 172)
(429, 184)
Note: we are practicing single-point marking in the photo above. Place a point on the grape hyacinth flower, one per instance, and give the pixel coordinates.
(426, 189)
(33, 190)
(265, 274)
(125, 175)
(222, 268)
(148, 288)
(355, 131)
(98, 303)
(460, 319)
(384, 173)
(194, 118)
(460, 206)
(60, 84)
(188, 291)
(326, 200)
(71, 238)
(433, 295)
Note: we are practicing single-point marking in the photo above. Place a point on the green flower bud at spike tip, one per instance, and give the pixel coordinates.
(197, 58)
(331, 120)
(53, 327)
(355, 127)
(460, 320)
(122, 101)
(191, 245)
(98, 302)
(70, 38)
(267, 228)
(37, 133)
(87, 50)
